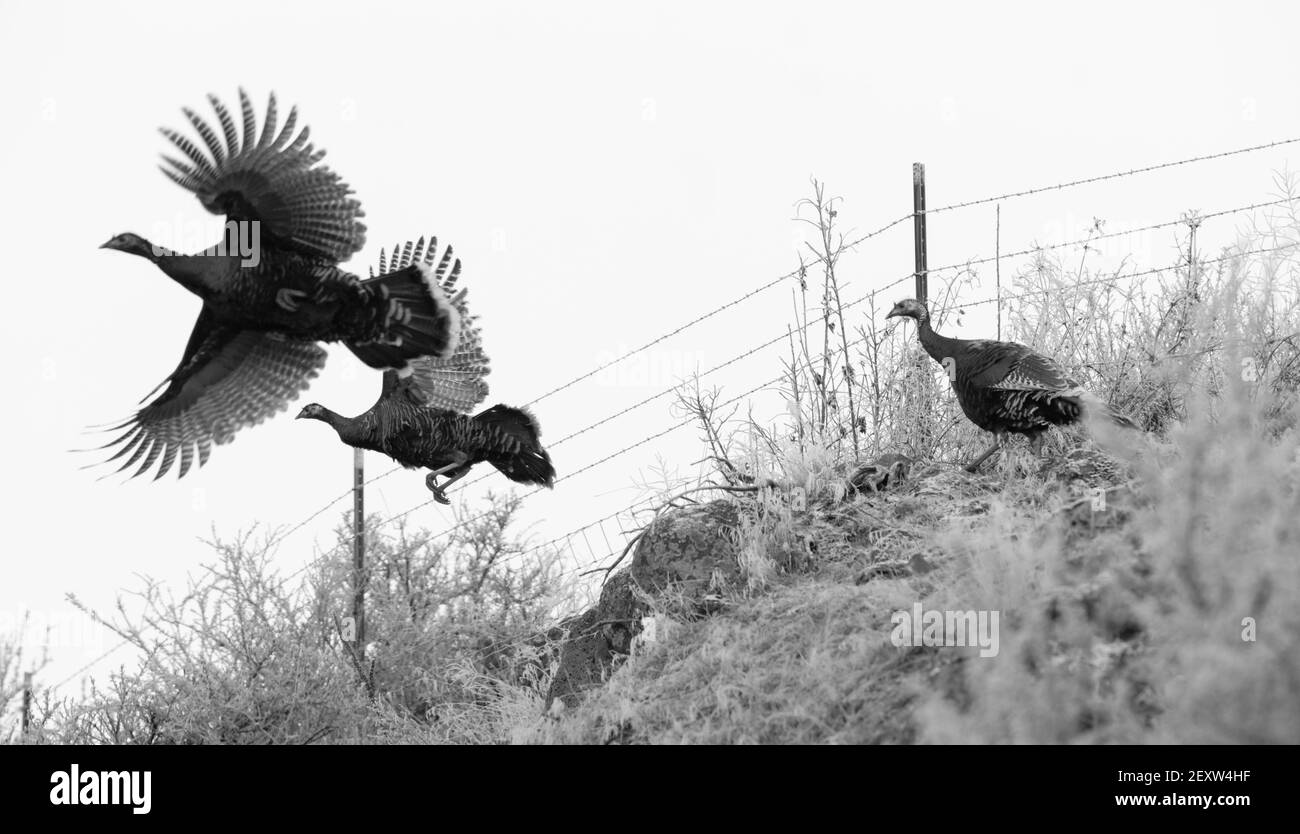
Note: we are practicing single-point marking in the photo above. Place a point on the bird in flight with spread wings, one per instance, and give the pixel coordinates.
(422, 419)
(272, 289)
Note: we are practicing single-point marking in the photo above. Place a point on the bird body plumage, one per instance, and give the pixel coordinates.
(449, 443)
(330, 304)
(421, 418)
(254, 346)
(435, 438)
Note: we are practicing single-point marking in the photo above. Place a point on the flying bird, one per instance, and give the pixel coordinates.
(1005, 387)
(272, 289)
(422, 420)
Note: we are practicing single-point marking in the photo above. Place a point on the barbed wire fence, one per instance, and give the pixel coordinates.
(598, 524)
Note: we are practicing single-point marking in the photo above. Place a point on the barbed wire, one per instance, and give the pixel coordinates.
(869, 235)
(668, 335)
(280, 537)
(1085, 241)
(83, 669)
(1011, 195)
(598, 522)
(1154, 359)
(1124, 276)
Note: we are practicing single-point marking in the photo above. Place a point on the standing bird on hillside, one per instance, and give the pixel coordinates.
(271, 289)
(1004, 386)
(421, 419)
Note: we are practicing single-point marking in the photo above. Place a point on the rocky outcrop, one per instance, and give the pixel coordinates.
(596, 640)
(689, 552)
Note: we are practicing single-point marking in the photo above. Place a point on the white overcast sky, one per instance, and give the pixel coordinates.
(606, 172)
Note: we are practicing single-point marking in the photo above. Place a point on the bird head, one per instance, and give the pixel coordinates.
(313, 411)
(132, 244)
(910, 308)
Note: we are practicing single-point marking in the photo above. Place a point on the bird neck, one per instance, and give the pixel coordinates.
(190, 271)
(936, 345)
(335, 421)
(354, 431)
(193, 272)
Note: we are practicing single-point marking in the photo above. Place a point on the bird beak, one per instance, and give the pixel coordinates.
(105, 244)
(301, 414)
(891, 314)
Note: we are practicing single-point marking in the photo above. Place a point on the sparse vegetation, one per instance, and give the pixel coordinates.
(249, 656)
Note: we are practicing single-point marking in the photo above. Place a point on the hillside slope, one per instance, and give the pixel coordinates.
(1123, 596)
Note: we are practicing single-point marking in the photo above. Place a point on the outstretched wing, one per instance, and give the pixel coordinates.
(456, 383)
(228, 379)
(276, 180)
(1014, 367)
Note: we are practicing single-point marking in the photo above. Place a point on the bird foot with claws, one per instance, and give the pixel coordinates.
(438, 495)
(288, 299)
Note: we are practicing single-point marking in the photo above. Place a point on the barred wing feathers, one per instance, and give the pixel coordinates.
(275, 179)
(1008, 385)
(229, 379)
(1009, 366)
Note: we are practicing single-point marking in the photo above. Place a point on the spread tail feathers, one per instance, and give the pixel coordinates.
(417, 319)
(530, 464)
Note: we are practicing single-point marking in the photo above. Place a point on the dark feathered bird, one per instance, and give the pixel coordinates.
(1005, 387)
(271, 289)
(421, 419)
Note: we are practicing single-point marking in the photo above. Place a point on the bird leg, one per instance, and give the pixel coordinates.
(997, 444)
(431, 480)
(453, 479)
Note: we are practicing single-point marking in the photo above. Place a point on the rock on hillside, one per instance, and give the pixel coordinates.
(690, 552)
